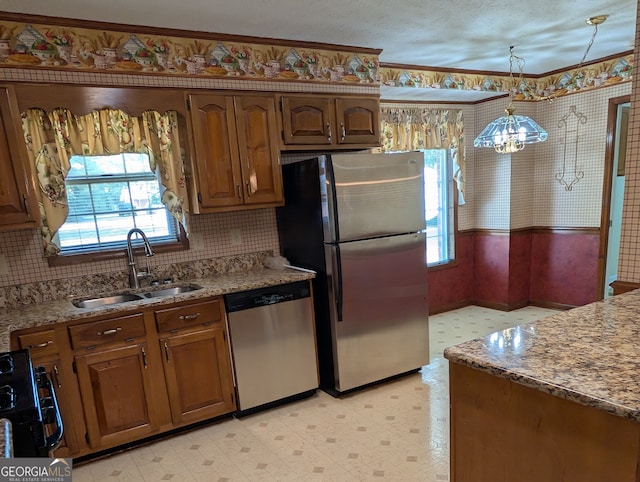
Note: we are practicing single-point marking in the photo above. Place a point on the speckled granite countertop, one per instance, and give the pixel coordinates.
(590, 355)
(59, 311)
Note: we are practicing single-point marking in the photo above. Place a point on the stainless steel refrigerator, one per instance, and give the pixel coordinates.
(358, 220)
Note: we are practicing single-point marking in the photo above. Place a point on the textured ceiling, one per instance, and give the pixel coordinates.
(457, 34)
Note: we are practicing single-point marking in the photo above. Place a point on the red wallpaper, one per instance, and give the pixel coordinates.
(491, 268)
(519, 265)
(514, 270)
(564, 268)
(453, 285)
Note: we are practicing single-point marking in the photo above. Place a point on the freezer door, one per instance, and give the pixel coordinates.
(372, 195)
(379, 312)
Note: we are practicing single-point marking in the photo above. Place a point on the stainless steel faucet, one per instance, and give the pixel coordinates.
(134, 274)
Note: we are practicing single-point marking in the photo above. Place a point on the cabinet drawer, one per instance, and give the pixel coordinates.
(107, 331)
(39, 344)
(206, 313)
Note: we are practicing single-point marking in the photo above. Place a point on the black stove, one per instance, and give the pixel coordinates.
(28, 400)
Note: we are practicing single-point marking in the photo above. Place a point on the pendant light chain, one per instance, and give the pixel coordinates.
(520, 62)
(593, 38)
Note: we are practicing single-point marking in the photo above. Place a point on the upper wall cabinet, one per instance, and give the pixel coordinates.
(236, 158)
(18, 208)
(319, 122)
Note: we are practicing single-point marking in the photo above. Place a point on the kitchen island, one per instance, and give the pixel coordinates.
(554, 400)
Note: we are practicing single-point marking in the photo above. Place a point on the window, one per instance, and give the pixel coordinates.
(108, 196)
(439, 206)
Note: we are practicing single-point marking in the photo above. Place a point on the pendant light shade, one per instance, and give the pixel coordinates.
(510, 133)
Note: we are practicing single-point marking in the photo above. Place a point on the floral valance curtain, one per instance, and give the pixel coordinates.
(54, 137)
(412, 128)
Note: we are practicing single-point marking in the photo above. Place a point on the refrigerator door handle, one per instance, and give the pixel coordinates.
(333, 202)
(336, 279)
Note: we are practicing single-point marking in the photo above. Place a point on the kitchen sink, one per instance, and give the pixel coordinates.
(107, 300)
(174, 290)
(127, 297)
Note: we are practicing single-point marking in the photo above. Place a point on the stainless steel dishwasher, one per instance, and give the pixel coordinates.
(272, 336)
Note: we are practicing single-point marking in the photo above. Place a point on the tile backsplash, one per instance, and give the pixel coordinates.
(212, 236)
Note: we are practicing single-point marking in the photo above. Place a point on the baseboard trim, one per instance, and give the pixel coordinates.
(551, 305)
(620, 287)
(451, 306)
(501, 306)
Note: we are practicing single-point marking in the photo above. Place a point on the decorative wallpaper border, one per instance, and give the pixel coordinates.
(71, 48)
(610, 71)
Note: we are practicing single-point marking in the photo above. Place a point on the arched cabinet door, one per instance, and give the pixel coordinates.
(258, 148)
(358, 121)
(308, 120)
(18, 208)
(217, 161)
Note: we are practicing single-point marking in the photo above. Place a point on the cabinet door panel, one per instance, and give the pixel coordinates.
(198, 375)
(308, 120)
(257, 145)
(16, 197)
(216, 150)
(116, 391)
(359, 121)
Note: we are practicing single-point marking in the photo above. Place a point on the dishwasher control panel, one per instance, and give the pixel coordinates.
(270, 295)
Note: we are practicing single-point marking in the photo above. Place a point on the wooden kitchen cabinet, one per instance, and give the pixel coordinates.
(236, 157)
(122, 378)
(18, 207)
(197, 364)
(198, 375)
(119, 388)
(318, 122)
(116, 387)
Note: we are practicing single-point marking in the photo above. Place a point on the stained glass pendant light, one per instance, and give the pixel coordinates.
(510, 132)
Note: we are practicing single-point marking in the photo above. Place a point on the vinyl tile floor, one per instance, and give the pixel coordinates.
(397, 431)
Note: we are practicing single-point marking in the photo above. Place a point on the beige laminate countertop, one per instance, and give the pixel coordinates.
(590, 355)
(12, 319)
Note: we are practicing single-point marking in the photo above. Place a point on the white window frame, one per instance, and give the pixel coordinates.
(444, 239)
(132, 214)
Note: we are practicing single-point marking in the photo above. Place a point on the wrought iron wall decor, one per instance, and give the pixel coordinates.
(570, 152)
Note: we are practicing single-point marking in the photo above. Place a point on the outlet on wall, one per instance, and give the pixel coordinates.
(236, 237)
(4, 267)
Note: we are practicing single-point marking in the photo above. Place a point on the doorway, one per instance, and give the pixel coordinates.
(613, 193)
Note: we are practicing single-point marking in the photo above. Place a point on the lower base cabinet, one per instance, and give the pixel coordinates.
(120, 379)
(197, 375)
(116, 389)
